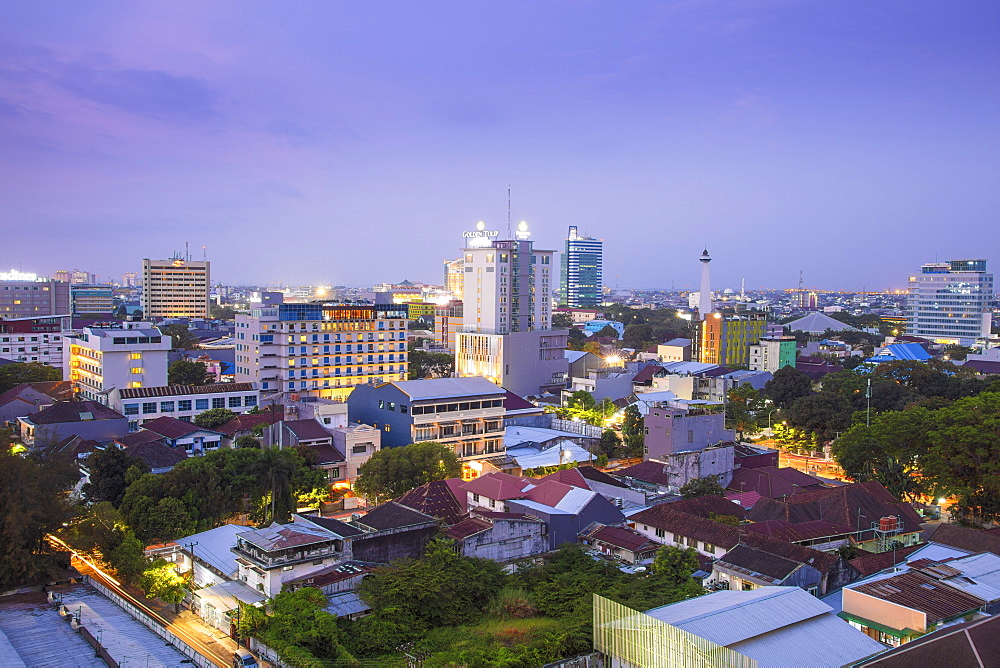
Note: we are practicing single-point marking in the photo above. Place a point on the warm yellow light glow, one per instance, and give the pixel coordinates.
(476, 466)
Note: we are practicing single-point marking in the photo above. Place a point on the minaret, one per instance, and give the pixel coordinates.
(705, 296)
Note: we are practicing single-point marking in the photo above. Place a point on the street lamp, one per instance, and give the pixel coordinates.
(770, 413)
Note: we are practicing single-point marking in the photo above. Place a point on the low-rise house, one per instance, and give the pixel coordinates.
(183, 402)
(895, 352)
(87, 419)
(629, 546)
(975, 643)
(357, 442)
(73, 447)
(867, 511)
(772, 626)
(905, 606)
(158, 456)
(520, 411)
(773, 482)
(746, 568)
(245, 424)
(709, 507)
(392, 531)
(715, 540)
(445, 500)
(661, 478)
(269, 557)
(964, 539)
(179, 434)
(29, 398)
(499, 536)
(612, 489)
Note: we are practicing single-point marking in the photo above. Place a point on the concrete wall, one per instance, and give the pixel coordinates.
(671, 430)
(96, 430)
(388, 546)
(508, 540)
(883, 612)
(686, 466)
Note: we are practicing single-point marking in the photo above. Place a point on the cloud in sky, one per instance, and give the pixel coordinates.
(353, 142)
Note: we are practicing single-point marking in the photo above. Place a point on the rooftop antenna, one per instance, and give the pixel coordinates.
(743, 289)
(204, 253)
(187, 252)
(510, 235)
(801, 281)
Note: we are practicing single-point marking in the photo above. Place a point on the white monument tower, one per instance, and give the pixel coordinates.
(705, 296)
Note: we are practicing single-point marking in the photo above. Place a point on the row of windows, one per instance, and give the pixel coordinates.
(452, 407)
(185, 405)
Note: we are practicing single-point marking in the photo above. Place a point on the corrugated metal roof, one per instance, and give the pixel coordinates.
(728, 617)
(446, 388)
(181, 390)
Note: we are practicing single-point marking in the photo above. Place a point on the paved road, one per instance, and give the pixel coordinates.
(186, 626)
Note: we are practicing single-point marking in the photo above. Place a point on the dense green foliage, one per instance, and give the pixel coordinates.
(787, 385)
(108, 471)
(31, 506)
(461, 611)
(744, 406)
(181, 337)
(214, 417)
(12, 375)
(633, 427)
(424, 364)
(187, 372)
(394, 471)
(706, 486)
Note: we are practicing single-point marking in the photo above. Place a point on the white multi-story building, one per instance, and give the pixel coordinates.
(320, 349)
(32, 340)
(99, 360)
(183, 402)
(949, 302)
(507, 333)
(175, 288)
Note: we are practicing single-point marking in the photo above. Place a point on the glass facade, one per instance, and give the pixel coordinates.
(582, 271)
(949, 302)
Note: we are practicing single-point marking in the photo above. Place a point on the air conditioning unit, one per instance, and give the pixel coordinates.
(618, 501)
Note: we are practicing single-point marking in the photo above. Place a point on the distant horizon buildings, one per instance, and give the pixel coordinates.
(949, 302)
(175, 288)
(581, 279)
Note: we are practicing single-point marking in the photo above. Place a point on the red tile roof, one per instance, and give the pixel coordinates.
(437, 499)
(63, 412)
(625, 539)
(772, 482)
(513, 402)
(856, 506)
(307, 430)
(137, 438)
(58, 390)
(706, 506)
(571, 477)
(970, 540)
(794, 533)
(924, 593)
(157, 454)
(326, 453)
(647, 471)
(468, 527)
(500, 486)
(169, 427)
(248, 421)
(870, 564)
(548, 493)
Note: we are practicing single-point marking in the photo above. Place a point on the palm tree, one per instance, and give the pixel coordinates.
(274, 470)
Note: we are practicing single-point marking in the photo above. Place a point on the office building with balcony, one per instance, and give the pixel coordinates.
(98, 360)
(320, 349)
(175, 288)
(507, 334)
(582, 271)
(949, 302)
(464, 413)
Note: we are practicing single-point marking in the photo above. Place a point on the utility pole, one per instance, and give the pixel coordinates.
(868, 400)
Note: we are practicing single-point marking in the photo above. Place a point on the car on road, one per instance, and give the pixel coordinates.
(244, 659)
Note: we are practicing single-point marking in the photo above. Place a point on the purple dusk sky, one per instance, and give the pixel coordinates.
(352, 142)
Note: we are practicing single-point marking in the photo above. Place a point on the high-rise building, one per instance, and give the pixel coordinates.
(582, 270)
(175, 288)
(99, 360)
(320, 349)
(91, 300)
(454, 277)
(507, 333)
(727, 340)
(949, 302)
(24, 295)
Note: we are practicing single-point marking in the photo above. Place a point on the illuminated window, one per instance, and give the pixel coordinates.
(135, 356)
(136, 370)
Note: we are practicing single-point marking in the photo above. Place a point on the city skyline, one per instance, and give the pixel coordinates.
(782, 136)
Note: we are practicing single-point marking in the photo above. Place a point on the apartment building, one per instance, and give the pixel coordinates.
(175, 288)
(320, 349)
(98, 360)
(32, 340)
(183, 402)
(463, 413)
(25, 295)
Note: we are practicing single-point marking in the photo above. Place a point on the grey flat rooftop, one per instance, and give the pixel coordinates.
(127, 640)
(38, 636)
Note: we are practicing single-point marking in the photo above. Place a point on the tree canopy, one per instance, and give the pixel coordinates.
(188, 372)
(787, 385)
(108, 469)
(706, 486)
(423, 364)
(12, 375)
(391, 472)
(181, 337)
(214, 417)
